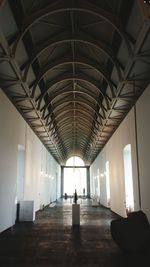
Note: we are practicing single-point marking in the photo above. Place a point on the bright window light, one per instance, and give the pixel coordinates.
(75, 178)
(75, 161)
(128, 178)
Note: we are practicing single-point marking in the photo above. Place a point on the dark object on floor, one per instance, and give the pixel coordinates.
(131, 233)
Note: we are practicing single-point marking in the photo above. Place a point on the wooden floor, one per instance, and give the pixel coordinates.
(51, 241)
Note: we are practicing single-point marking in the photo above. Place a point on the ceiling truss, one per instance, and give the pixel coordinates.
(74, 69)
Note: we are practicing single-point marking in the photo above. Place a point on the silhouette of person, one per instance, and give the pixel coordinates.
(83, 191)
(75, 196)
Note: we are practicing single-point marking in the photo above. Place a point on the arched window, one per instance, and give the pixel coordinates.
(75, 161)
(129, 196)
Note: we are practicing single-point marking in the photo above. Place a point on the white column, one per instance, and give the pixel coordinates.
(76, 214)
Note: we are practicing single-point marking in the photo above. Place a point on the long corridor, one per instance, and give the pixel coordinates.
(51, 241)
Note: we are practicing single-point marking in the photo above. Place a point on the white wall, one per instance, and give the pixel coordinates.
(50, 178)
(97, 170)
(113, 152)
(143, 127)
(124, 135)
(40, 188)
(9, 120)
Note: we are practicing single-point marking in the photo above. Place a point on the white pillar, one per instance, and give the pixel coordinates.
(76, 214)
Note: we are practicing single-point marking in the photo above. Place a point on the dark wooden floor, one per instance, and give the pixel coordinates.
(51, 241)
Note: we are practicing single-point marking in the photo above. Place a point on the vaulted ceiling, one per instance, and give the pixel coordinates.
(74, 68)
